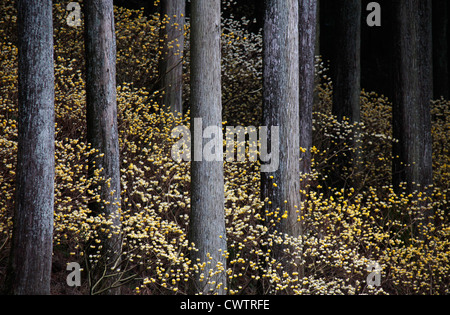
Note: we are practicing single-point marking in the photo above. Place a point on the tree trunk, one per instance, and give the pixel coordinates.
(281, 108)
(346, 71)
(307, 40)
(347, 65)
(31, 251)
(317, 50)
(102, 130)
(440, 49)
(171, 62)
(413, 91)
(207, 219)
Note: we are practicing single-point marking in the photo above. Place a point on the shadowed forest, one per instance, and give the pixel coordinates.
(358, 204)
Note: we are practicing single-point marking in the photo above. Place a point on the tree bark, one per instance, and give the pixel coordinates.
(347, 65)
(30, 262)
(281, 108)
(307, 41)
(171, 59)
(102, 129)
(207, 219)
(346, 75)
(413, 92)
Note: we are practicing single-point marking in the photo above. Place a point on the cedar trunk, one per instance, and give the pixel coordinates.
(308, 45)
(102, 129)
(347, 64)
(413, 86)
(31, 252)
(346, 72)
(281, 108)
(172, 49)
(207, 219)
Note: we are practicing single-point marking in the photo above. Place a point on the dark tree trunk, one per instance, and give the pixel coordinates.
(281, 109)
(171, 62)
(413, 90)
(207, 219)
(346, 75)
(347, 63)
(440, 49)
(317, 35)
(102, 130)
(31, 252)
(307, 40)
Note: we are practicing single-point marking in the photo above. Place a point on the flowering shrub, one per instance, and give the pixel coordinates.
(345, 230)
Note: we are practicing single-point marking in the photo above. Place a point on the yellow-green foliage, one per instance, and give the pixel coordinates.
(344, 230)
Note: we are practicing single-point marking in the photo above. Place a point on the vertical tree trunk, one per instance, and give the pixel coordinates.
(102, 130)
(346, 71)
(440, 49)
(307, 40)
(170, 62)
(413, 91)
(31, 252)
(317, 36)
(281, 108)
(347, 66)
(207, 219)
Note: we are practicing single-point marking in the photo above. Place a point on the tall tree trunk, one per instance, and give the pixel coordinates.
(347, 83)
(413, 91)
(281, 109)
(317, 36)
(207, 219)
(440, 49)
(31, 252)
(171, 62)
(347, 65)
(102, 130)
(307, 40)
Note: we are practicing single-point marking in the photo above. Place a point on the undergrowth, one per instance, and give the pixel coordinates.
(346, 229)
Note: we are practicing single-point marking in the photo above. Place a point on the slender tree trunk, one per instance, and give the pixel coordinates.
(207, 219)
(317, 36)
(440, 49)
(347, 78)
(102, 130)
(31, 252)
(413, 87)
(307, 40)
(347, 84)
(281, 108)
(171, 59)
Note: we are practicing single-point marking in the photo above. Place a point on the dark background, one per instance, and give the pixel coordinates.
(376, 42)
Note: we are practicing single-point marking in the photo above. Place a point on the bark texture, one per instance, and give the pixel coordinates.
(207, 219)
(346, 75)
(347, 64)
(281, 108)
(31, 252)
(102, 129)
(413, 85)
(171, 59)
(307, 41)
